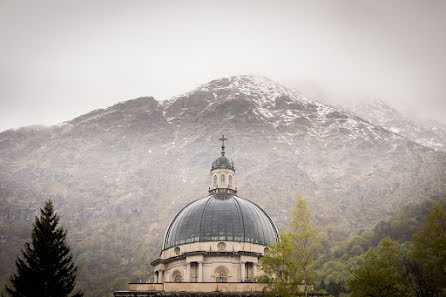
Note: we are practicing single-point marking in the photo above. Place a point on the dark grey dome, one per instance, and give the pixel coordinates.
(221, 218)
(223, 162)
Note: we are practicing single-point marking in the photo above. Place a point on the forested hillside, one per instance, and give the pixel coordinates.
(339, 257)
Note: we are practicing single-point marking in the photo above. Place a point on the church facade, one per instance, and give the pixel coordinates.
(213, 244)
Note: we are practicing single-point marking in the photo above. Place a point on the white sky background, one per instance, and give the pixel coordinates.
(60, 59)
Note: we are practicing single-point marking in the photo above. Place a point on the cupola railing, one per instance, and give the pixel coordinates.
(222, 191)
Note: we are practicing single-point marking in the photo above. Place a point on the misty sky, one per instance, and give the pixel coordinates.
(60, 59)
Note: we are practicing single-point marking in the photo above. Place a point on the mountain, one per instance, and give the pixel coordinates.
(118, 175)
(430, 133)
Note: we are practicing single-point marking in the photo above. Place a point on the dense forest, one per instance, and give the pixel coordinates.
(340, 257)
(333, 265)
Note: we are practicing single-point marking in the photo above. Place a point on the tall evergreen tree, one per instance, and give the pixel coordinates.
(46, 267)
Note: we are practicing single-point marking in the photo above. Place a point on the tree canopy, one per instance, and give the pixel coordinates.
(429, 254)
(46, 266)
(380, 273)
(290, 262)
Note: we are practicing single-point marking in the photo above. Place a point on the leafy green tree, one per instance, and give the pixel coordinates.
(280, 268)
(334, 276)
(305, 241)
(428, 256)
(290, 262)
(46, 267)
(380, 274)
(421, 281)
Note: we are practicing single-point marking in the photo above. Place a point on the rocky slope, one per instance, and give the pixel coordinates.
(430, 133)
(119, 175)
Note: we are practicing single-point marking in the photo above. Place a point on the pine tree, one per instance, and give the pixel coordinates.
(46, 267)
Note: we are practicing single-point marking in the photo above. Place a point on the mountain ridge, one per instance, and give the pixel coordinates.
(118, 175)
(431, 134)
(258, 81)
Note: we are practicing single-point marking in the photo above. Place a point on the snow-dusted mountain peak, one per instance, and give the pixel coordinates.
(260, 88)
(378, 112)
(254, 101)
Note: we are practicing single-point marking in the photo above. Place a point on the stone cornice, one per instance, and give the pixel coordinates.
(204, 253)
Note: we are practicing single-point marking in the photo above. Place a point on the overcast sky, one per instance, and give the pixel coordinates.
(60, 59)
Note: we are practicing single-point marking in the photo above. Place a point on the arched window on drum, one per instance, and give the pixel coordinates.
(177, 276)
(215, 180)
(230, 181)
(221, 275)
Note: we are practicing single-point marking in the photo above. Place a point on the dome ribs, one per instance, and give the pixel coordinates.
(201, 228)
(221, 217)
(234, 198)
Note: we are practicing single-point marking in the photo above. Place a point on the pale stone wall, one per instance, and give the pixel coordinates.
(219, 172)
(213, 287)
(231, 264)
(169, 270)
(211, 246)
(206, 267)
(198, 287)
(205, 287)
(146, 287)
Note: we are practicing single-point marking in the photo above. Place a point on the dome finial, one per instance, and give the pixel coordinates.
(223, 144)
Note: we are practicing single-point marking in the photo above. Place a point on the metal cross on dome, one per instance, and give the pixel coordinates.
(223, 144)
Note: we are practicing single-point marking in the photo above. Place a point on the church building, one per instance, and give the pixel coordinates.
(213, 244)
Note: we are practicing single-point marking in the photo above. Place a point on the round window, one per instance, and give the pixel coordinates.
(221, 246)
(177, 251)
(266, 250)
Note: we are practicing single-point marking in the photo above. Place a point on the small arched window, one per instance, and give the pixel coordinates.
(230, 181)
(221, 275)
(222, 180)
(215, 180)
(177, 276)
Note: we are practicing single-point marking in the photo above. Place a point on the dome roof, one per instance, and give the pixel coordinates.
(221, 218)
(223, 162)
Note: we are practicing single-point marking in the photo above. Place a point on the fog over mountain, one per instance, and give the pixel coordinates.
(118, 175)
(63, 59)
(429, 133)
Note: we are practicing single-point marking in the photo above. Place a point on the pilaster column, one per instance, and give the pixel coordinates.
(254, 271)
(242, 271)
(200, 272)
(161, 276)
(187, 276)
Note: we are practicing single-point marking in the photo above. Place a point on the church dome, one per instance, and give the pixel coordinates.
(221, 217)
(223, 162)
